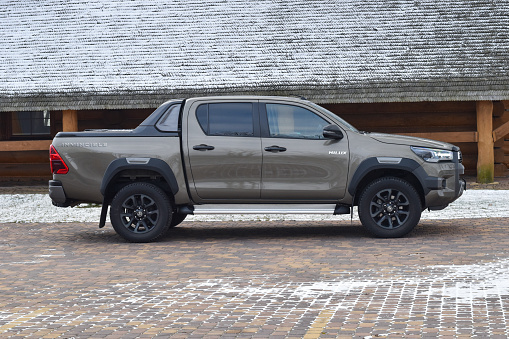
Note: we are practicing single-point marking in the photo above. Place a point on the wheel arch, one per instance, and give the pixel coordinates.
(131, 170)
(374, 168)
(137, 169)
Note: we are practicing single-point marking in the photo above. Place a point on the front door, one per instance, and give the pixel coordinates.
(298, 162)
(224, 150)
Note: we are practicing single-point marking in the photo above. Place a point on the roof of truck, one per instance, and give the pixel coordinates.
(84, 54)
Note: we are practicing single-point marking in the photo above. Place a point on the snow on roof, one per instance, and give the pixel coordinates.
(76, 54)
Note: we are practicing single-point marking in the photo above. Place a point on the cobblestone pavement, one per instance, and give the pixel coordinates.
(449, 278)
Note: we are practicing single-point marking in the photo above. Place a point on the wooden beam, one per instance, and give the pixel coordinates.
(485, 157)
(25, 170)
(501, 132)
(446, 136)
(26, 157)
(25, 145)
(70, 121)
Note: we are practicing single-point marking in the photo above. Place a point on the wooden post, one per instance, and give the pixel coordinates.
(485, 157)
(70, 121)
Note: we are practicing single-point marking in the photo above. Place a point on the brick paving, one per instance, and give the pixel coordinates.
(449, 278)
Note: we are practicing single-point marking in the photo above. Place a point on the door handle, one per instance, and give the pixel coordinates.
(275, 149)
(203, 147)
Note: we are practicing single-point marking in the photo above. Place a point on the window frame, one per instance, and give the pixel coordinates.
(6, 133)
(254, 112)
(167, 112)
(265, 129)
(33, 117)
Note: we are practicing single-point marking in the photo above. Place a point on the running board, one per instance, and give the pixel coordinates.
(265, 209)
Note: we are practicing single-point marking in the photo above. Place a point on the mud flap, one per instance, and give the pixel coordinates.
(104, 212)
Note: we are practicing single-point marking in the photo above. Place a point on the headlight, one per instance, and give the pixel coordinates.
(432, 155)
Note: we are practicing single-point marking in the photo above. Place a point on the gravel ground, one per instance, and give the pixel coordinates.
(27, 208)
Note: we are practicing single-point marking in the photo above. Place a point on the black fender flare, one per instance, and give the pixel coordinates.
(391, 163)
(151, 164)
(121, 164)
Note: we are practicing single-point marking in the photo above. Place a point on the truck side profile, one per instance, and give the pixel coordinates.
(251, 154)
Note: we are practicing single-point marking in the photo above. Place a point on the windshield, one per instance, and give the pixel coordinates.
(335, 117)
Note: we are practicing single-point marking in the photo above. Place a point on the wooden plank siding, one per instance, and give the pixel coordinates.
(30, 159)
(453, 122)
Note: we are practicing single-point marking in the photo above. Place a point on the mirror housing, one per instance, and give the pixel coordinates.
(332, 132)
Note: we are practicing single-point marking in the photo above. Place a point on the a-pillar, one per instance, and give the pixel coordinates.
(486, 155)
(70, 121)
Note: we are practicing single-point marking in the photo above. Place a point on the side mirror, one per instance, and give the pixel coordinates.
(332, 132)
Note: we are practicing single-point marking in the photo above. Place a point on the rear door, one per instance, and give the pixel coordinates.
(224, 150)
(299, 164)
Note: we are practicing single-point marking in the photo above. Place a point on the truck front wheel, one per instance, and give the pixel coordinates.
(389, 207)
(141, 212)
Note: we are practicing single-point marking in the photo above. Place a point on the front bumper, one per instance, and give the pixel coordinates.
(452, 186)
(440, 199)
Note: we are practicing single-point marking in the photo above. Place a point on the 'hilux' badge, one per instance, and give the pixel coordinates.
(338, 152)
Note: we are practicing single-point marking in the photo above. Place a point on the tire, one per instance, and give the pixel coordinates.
(141, 212)
(177, 218)
(389, 207)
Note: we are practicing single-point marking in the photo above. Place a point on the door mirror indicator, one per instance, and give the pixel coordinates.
(332, 132)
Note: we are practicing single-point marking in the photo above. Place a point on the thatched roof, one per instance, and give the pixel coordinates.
(124, 54)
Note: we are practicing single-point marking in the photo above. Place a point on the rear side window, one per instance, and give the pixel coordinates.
(170, 120)
(226, 119)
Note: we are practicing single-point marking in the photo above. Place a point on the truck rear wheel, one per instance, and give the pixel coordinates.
(389, 207)
(141, 212)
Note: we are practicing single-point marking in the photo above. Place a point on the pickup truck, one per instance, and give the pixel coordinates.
(251, 154)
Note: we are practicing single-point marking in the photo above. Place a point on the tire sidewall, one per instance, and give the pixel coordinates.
(390, 183)
(162, 202)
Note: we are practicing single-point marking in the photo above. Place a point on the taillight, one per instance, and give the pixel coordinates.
(58, 165)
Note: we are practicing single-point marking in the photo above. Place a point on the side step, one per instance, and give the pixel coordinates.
(266, 209)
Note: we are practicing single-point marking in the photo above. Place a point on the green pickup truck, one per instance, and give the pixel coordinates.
(251, 154)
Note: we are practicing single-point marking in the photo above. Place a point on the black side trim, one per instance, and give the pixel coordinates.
(156, 165)
(140, 131)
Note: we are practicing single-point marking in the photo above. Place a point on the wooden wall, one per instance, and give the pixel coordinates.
(21, 161)
(408, 118)
(399, 118)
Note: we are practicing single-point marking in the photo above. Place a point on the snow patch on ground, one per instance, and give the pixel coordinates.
(27, 208)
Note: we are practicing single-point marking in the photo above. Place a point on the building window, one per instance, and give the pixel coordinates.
(31, 123)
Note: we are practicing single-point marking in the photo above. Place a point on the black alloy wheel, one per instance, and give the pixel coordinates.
(389, 207)
(141, 212)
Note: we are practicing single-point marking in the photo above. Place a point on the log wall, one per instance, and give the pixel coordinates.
(23, 160)
(453, 122)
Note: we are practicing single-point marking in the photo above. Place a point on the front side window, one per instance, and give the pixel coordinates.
(288, 121)
(31, 123)
(226, 119)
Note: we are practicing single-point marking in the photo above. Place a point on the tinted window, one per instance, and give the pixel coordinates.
(31, 123)
(169, 120)
(231, 119)
(287, 121)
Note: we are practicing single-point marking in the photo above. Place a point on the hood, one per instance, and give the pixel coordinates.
(410, 141)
